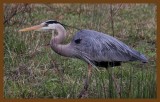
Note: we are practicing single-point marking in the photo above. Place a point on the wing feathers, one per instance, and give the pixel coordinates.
(99, 47)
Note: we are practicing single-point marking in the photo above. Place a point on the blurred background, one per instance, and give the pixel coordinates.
(33, 70)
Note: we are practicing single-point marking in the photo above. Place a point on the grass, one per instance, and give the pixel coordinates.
(32, 70)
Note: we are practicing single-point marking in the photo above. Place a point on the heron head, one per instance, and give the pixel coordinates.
(47, 25)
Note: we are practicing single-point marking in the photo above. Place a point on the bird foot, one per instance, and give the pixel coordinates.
(84, 91)
(83, 94)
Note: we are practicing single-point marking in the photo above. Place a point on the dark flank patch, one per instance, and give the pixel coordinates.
(107, 64)
(77, 41)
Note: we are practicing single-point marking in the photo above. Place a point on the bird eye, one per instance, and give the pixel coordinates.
(46, 24)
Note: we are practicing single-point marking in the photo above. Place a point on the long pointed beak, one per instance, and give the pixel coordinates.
(31, 28)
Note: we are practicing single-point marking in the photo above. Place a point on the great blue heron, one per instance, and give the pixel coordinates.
(95, 48)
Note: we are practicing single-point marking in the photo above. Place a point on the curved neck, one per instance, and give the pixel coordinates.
(61, 34)
(55, 42)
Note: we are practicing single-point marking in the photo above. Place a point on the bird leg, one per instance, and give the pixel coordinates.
(86, 83)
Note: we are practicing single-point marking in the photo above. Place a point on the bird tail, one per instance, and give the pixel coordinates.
(143, 58)
(139, 56)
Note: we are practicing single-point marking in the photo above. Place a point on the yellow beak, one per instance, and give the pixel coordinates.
(31, 28)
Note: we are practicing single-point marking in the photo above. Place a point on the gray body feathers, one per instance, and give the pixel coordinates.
(99, 49)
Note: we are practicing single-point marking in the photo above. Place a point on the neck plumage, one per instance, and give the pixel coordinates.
(55, 42)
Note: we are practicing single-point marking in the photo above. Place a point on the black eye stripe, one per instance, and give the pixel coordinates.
(51, 22)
